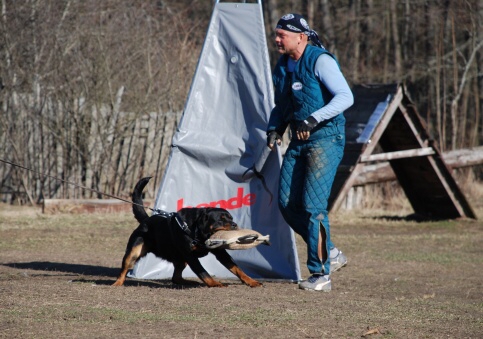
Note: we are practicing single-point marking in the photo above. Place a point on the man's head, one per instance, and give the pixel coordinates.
(292, 35)
(290, 43)
(293, 23)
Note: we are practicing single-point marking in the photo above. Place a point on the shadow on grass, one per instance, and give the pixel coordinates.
(64, 267)
(96, 271)
(411, 217)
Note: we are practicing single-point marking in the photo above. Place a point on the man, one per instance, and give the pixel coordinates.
(310, 95)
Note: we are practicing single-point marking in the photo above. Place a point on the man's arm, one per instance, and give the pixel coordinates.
(329, 74)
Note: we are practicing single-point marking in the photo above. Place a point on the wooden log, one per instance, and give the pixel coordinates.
(465, 157)
(381, 172)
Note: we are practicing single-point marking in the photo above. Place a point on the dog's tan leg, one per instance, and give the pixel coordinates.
(128, 262)
(209, 281)
(228, 262)
(243, 277)
(196, 267)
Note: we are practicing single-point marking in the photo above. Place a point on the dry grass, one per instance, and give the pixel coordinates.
(404, 280)
(389, 197)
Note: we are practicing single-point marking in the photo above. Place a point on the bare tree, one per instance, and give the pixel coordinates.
(91, 91)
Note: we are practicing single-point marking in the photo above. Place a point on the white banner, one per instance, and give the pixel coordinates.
(220, 138)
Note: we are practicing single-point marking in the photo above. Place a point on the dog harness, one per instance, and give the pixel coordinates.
(194, 243)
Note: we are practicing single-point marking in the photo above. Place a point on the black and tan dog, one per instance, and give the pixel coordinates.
(179, 238)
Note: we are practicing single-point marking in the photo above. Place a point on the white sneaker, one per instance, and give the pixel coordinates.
(338, 262)
(317, 282)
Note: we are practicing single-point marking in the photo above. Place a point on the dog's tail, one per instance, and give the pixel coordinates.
(137, 198)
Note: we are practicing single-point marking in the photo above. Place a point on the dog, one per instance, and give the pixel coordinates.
(179, 238)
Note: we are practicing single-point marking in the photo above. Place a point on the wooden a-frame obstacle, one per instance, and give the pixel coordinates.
(384, 115)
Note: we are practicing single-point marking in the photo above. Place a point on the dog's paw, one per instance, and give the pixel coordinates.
(255, 283)
(216, 284)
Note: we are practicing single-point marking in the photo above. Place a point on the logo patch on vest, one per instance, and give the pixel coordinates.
(297, 86)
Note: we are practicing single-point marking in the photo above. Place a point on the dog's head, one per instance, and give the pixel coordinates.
(207, 221)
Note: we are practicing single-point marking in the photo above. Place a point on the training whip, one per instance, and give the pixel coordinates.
(73, 183)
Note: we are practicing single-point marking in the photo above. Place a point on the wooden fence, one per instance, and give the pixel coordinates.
(97, 147)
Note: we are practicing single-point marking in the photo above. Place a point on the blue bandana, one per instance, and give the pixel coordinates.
(296, 23)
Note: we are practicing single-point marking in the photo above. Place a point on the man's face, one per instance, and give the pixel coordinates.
(287, 42)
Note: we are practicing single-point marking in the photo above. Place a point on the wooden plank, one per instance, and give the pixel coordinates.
(414, 123)
(398, 154)
(386, 119)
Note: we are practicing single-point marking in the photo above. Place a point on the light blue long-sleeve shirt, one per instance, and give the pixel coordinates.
(328, 72)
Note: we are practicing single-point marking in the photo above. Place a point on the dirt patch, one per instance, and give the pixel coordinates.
(404, 280)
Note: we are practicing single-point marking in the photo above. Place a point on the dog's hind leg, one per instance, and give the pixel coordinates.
(129, 260)
(196, 267)
(228, 262)
(177, 278)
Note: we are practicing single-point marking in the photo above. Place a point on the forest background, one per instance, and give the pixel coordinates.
(91, 91)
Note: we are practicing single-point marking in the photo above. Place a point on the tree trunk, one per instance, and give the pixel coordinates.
(327, 34)
(454, 103)
(387, 49)
(396, 40)
(371, 43)
(477, 130)
(356, 36)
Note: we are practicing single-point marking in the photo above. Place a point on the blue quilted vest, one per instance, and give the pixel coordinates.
(300, 93)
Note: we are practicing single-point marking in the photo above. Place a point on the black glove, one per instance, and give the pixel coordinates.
(272, 138)
(307, 125)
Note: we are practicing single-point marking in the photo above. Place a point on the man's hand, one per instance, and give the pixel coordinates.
(272, 138)
(304, 128)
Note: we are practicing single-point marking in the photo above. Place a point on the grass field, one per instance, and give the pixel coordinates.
(404, 280)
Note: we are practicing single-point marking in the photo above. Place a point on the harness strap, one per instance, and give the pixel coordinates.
(181, 223)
